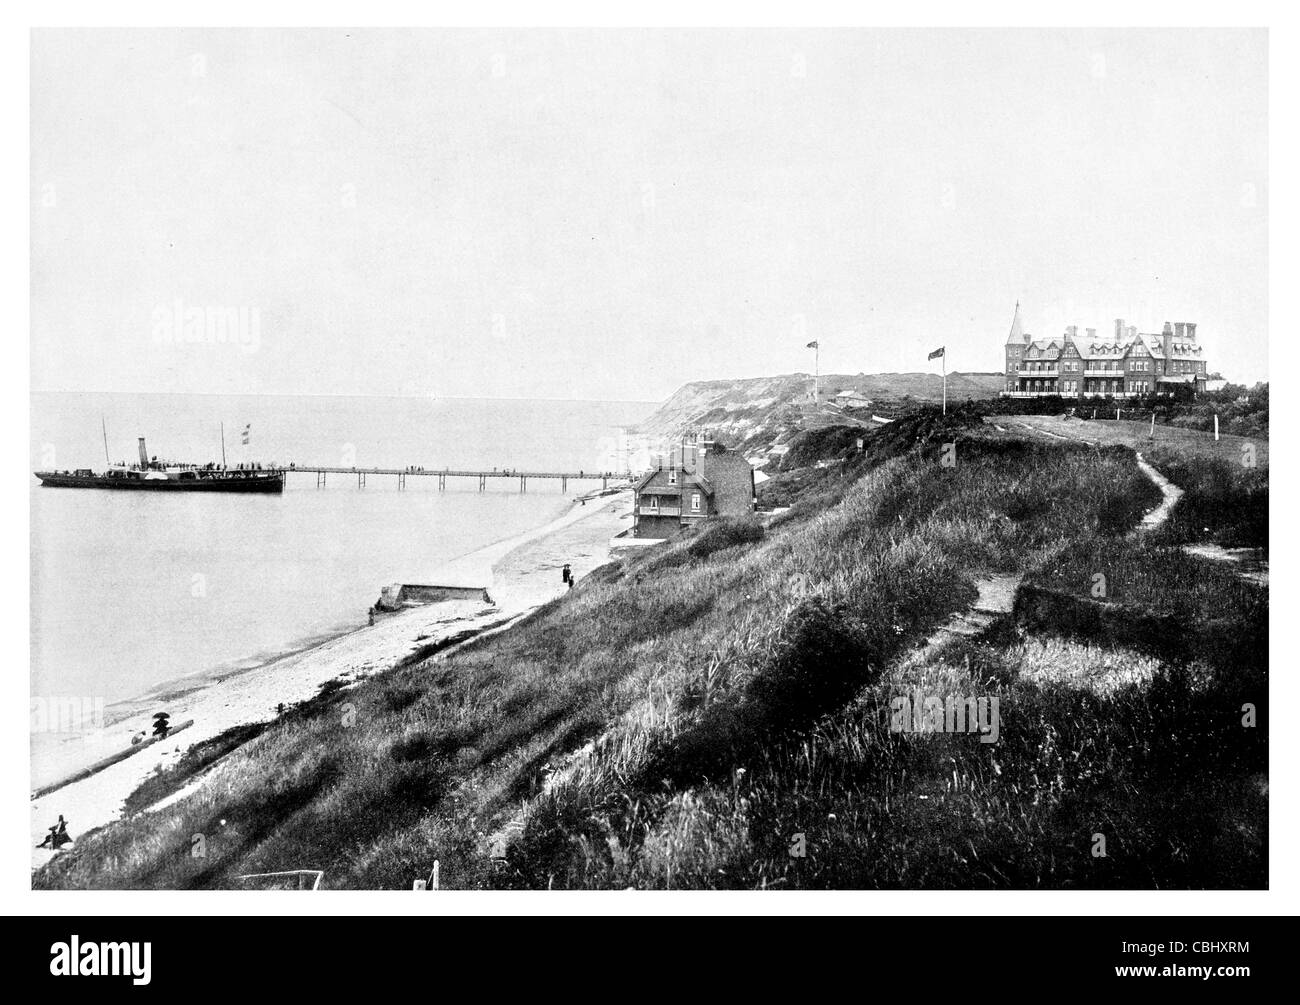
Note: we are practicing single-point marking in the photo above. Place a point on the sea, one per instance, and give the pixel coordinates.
(132, 590)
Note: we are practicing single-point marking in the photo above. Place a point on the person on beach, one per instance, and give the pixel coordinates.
(58, 835)
(566, 575)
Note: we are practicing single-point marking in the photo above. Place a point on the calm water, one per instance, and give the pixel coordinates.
(130, 590)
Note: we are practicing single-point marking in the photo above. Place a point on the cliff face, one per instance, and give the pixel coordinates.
(757, 416)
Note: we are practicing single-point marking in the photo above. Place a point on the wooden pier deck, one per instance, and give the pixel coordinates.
(323, 471)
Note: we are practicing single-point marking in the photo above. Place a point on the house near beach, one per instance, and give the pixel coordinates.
(697, 481)
(1127, 364)
(852, 399)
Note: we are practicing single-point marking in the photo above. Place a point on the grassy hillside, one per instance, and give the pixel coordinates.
(753, 415)
(694, 715)
(1225, 481)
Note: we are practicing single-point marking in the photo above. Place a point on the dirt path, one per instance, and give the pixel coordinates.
(1251, 564)
(1171, 492)
(997, 596)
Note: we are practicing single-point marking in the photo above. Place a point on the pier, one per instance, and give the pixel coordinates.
(322, 473)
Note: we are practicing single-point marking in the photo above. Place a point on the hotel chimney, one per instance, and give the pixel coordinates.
(144, 454)
(1167, 336)
(1119, 329)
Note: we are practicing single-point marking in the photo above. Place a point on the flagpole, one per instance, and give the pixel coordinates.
(944, 357)
(104, 426)
(223, 444)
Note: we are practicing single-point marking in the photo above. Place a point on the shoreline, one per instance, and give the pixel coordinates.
(521, 573)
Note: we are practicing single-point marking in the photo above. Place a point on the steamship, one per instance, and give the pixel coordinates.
(150, 475)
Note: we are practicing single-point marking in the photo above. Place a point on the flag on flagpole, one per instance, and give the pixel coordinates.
(248, 431)
(936, 354)
(813, 345)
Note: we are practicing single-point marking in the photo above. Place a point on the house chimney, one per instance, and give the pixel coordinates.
(1119, 329)
(144, 454)
(1092, 334)
(1167, 337)
(1071, 331)
(1180, 331)
(1191, 331)
(1132, 332)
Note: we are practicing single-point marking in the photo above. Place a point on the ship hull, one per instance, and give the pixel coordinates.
(260, 484)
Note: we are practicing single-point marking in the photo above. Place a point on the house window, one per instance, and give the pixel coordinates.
(654, 504)
(695, 502)
(672, 476)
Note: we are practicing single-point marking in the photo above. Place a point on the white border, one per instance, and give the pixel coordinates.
(15, 893)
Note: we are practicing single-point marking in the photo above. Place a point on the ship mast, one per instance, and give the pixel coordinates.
(104, 427)
(223, 443)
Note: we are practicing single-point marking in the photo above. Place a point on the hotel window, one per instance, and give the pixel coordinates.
(672, 476)
(695, 502)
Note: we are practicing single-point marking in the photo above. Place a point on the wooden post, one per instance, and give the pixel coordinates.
(1153, 423)
(1216, 427)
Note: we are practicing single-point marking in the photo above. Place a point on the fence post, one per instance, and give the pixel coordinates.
(1216, 427)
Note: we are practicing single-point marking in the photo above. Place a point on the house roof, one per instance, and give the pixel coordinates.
(684, 479)
(1017, 334)
(1186, 348)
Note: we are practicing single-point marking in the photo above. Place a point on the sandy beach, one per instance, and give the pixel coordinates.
(520, 573)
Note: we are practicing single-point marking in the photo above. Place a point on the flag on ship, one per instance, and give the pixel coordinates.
(248, 431)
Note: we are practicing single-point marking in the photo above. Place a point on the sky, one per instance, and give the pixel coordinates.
(610, 214)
